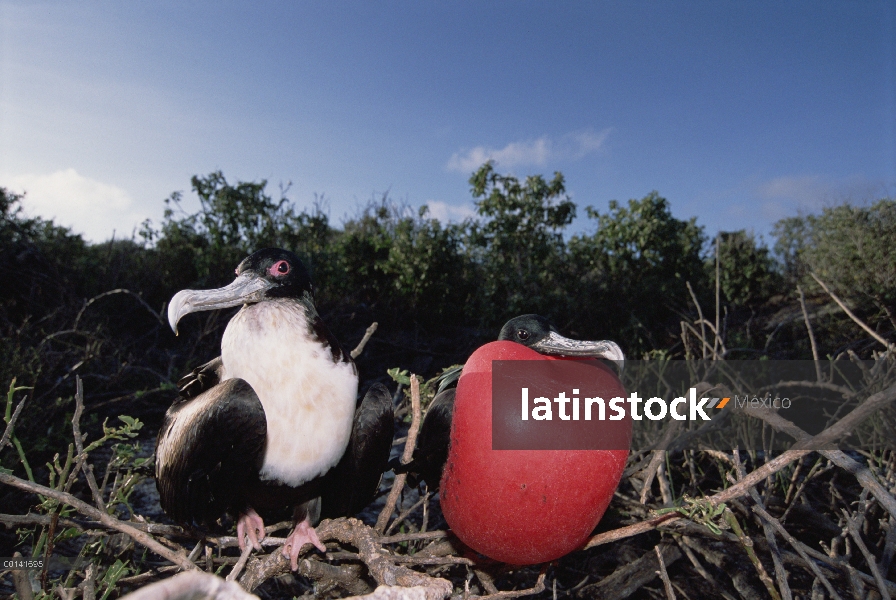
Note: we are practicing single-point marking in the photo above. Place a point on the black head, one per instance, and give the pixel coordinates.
(281, 268)
(526, 329)
(267, 274)
(536, 332)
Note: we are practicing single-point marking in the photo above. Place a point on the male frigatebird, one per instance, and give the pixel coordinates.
(274, 421)
(532, 331)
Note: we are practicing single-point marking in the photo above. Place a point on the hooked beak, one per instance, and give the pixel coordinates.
(245, 289)
(557, 345)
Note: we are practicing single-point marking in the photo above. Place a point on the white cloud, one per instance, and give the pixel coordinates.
(90, 207)
(585, 142)
(810, 189)
(533, 152)
(786, 195)
(538, 152)
(446, 213)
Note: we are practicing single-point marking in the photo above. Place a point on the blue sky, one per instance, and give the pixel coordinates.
(739, 113)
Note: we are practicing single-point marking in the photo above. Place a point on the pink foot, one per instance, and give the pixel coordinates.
(303, 534)
(250, 524)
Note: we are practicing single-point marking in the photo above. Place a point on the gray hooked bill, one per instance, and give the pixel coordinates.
(245, 289)
(557, 345)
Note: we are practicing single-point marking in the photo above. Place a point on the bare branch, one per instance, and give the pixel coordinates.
(22, 583)
(700, 315)
(683, 542)
(747, 543)
(87, 304)
(360, 347)
(362, 537)
(796, 546)
(658, 455)
(852, 315)
(406, 456)
(238, 567)
(408, 537)
(631, 575)
(79, 446)
(7, 433)
(780, 574)
(187, 586)
(535, 589)
(664, 575)
(406, 513)
(811, 333)
(138, 536)
(869, 558)
(838, 457)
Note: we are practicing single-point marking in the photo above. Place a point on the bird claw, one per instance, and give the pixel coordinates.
(303, 534)
(250, 524)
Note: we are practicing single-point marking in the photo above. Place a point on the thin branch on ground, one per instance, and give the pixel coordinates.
(664, 575)
(768, 530)
(108, 520)
(656, 460)
(855, 533)
(241, 563)
(406, 456)
(364, 538)
(839, 429)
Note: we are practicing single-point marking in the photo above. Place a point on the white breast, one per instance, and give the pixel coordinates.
(309, 400)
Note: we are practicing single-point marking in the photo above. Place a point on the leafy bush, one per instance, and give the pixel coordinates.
(748, 274)
(851, 248)
(634, 268)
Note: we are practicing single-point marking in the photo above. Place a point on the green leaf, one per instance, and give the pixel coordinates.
(402, 377)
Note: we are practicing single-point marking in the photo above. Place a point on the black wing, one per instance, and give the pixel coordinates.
(208, 451)
(352, 484)
(201, 379)
(431, 452)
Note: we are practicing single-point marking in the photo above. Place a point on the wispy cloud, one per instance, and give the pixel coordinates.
(446, 213)
(784, 195)
(90, 207)
(537, 152)
(800, 188)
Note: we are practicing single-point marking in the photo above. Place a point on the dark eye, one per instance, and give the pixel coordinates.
(522, 334)
(279, 268)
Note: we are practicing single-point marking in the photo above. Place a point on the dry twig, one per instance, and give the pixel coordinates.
(360, 347)
(747, 543)
(7, 433)
(79, 446)
(854, 532)
(192, 585)
(406, 456)
(138, 536)
(811, 334)
(780, 574)
(379, 564)
(664, 575)
(852, 315)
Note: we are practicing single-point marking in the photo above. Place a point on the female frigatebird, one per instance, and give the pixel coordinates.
(274, 421)
(532, 331)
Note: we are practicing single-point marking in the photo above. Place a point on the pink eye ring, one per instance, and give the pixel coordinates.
(279, 268)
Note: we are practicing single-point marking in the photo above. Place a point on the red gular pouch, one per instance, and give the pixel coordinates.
(520, 487)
